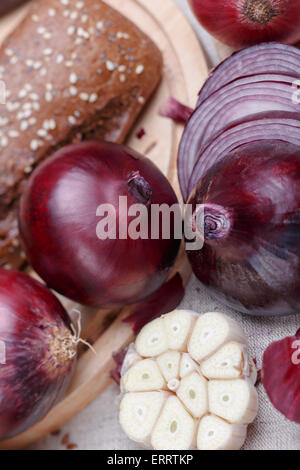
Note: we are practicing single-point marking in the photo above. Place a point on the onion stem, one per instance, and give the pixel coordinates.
(212, 222)
(259, 11)
(140, 189)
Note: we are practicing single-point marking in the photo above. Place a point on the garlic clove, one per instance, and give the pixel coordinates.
(175, 428)
(211, 331)
(187, 365)
(193, 394)
(229, 362)
(142, 377)
(216, 434)
(152, 339)
(139, 413)
(178, 325)
(233, 400)
(169, 364)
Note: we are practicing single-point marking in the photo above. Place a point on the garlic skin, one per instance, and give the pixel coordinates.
(190, 385)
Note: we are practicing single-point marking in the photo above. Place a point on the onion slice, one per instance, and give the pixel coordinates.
(175, 110)
(238, 99)
(281, 126)
(281, 376)
(264, 58)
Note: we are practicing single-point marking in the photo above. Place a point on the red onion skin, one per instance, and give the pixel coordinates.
(281, 376)
(175, 110)
(242, 23)
(37, 368)
(164, 300)
(251, 254)
(118, 357)
(58, 224)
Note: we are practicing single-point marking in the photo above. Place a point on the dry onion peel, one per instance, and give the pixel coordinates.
(281, 376)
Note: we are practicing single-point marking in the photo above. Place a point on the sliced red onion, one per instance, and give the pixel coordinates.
(264, 58)
(238, 99)
(264, 126)
(281, 376)
(175, 110)
(243, 98)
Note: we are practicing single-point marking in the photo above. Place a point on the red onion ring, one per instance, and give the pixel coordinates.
(241, 98)
(264, 126)
(264, 58)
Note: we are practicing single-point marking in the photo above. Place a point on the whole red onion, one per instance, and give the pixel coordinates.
(251, 204)
(58, 224)
(37, 351)
(241, 23)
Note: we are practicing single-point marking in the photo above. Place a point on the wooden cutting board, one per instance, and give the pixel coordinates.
(185, 70)
(223, 50)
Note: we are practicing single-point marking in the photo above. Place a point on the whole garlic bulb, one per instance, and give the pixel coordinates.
(188, 383)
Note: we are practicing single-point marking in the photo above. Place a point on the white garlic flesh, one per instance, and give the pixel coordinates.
(192, 386)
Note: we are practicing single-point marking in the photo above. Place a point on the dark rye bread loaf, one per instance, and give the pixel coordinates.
(74, 70)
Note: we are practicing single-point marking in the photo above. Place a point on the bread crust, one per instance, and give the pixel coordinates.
(74, 70)
(6, 6)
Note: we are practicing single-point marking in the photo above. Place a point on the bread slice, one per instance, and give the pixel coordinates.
(74, 70)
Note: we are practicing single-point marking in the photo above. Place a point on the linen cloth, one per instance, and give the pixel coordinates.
(97, 426)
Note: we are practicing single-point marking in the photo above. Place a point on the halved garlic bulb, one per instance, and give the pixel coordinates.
(191, 384)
